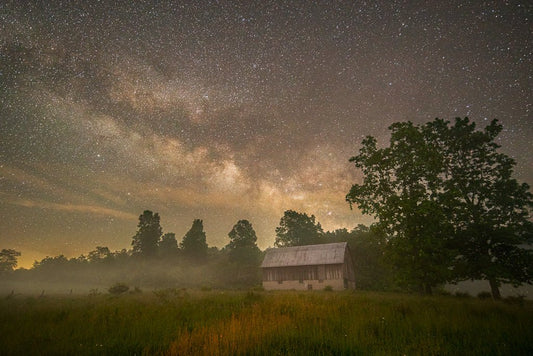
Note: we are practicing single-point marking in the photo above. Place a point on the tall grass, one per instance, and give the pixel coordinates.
(177, 322)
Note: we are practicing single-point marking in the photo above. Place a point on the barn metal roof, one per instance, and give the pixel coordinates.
(324, 254)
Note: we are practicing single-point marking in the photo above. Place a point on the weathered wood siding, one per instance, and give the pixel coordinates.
(300, 273)
(309, 267)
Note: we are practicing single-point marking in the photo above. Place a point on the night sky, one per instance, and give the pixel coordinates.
(225, 110)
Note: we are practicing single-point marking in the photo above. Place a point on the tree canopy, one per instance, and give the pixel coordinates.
(296, 229)
(194, 243)
(99, 254)
(448, 203)
(8, 260)
(168, 246)
(149, 231)
(490, 209)
(242, 246)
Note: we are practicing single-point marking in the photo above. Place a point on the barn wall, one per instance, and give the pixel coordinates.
(337, 284)
(301, 273)
(348, 270)
(301, 277)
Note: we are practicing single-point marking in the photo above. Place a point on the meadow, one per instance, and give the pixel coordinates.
(195, 322)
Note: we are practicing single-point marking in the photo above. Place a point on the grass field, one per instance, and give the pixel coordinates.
(180, 322)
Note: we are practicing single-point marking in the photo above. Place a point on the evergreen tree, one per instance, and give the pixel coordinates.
(194, 243)
(149, 231)
(168, 246)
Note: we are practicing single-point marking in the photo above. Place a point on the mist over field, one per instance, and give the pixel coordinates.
(78, 278)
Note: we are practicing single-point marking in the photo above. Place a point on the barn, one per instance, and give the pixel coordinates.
(309, 267)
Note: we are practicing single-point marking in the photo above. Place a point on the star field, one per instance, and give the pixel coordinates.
(223, 110)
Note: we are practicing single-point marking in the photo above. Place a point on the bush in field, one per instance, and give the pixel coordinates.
(484, 295)
(443, 292)
(328, 288)
(118, 288)
(515, 299)
(462, 295)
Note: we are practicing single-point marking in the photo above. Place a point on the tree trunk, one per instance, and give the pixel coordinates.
(495, 288)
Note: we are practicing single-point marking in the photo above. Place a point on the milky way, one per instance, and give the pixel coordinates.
(227, 111)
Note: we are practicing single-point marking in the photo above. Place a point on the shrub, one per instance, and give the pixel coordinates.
(515, 299)
(462, 295)
(328, 288)
(484, 295)
(443, 292)
(118, 288)
(257, 288)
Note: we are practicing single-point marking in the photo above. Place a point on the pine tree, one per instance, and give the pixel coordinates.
(149, 231)
(194, 245)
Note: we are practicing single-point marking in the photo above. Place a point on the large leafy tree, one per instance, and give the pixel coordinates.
(490, 209)
(8, 260)
(243, 243)
(297, 229)
(149, 231)
(194, 243)
(400, 189)
(447, 201)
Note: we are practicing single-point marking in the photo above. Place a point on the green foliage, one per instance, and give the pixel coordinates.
(297, 229)
(119, 288)
(48, 263)
(400, 188)
(99, 254)
(484, 295)
(489, 208)
(242, 246)
(168, 246)
(446, 200)
(462, 295)
(8, 260)
(149, 231)
(263, 323)
(367, 248)
(516, 299)
(93, 292)
(194, 245)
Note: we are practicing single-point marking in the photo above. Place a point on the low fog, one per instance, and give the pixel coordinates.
(74, 276)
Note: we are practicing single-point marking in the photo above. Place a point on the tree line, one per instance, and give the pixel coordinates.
(150, 242)
(237, 263)
(446, 209)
